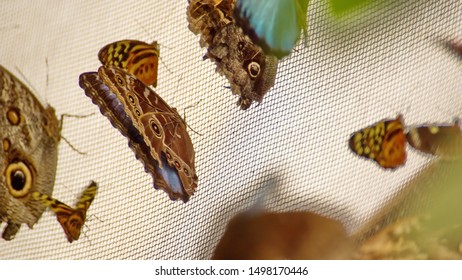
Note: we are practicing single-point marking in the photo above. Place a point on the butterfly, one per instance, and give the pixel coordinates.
(443, 140)
(136, 57)
(71, 220)
(250, 72)
(287, 235)
(156, 132)
(383, 142)
(274, 24)
(30, 135)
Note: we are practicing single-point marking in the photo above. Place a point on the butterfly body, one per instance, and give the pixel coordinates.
(30, 134)
(273, 24)
(250, 72)
(156, 132)
(71, 220)
(384, 142)
(136, 57)
(444, 140)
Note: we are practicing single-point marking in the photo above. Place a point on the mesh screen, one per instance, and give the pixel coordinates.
(387, 58)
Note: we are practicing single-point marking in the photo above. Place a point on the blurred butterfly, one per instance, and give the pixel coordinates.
(71, 220)
(443, 140)
(383, 142)
(273, 24)
(456, 46)
(138, 58)
(286, 235)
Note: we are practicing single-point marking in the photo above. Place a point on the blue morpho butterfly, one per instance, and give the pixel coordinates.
(156, 133)
(274, 24)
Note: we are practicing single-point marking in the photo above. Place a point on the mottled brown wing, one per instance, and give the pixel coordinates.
(165, 178)
(30, 136)
(250, 72)
(160, 125)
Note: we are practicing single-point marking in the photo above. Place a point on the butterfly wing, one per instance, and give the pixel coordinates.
(87, 196)
(138, 58)
(71, 220)
(250, 72)
(30, 136)
(383, 142)
(165, 178)
(444, 140)
(274, 24)
(76, 220)
(162, 128)
(63, 212)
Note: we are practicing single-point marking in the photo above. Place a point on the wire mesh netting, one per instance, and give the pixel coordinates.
(387, 58)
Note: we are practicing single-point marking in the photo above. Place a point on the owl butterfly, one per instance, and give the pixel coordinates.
(383, 142)
(156, 132)
(137, 58)
(71, 220)
(250, 72)
(444, 140)
(273, 24)
(30, 135)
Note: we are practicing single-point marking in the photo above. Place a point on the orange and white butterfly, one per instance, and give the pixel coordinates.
(384, 142)
(71, 220)
(137, 58)
(444, 140)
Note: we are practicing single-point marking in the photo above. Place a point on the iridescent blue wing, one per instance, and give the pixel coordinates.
(275, 24)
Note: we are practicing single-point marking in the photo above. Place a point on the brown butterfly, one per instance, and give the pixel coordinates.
(250, 72)
(287, 235)
(136, 57)
(444, 140)
(383, 142)
(156, 132)
(71, 220)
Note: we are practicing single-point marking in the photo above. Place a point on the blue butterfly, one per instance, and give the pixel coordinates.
(274, 24)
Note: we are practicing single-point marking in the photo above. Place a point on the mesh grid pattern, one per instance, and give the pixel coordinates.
(388, 58)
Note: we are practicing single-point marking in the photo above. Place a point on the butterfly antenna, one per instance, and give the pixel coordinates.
(94, 216)
(86, 236)
(46, 63)
(165, 64)
(160, 58)
(184, 116)
(25, 79)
